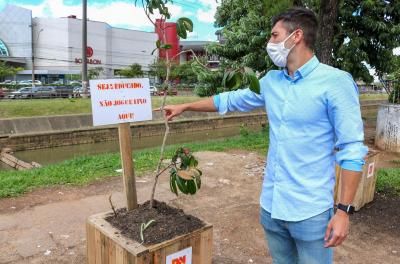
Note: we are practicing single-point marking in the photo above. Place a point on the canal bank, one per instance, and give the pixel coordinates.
(45, 133)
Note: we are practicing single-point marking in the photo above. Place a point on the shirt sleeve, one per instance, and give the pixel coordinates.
(345, 115)
(243, 100)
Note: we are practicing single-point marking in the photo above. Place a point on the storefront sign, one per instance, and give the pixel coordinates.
(89, 61)
(116, 101)
(182, 257)
(89, 54)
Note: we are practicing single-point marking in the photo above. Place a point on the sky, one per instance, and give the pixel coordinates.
(124, 14)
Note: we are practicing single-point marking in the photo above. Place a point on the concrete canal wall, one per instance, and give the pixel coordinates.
(53, 131)
(42, 135)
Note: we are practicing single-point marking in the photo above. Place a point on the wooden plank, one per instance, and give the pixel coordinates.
(195, 243)
(104, 248)
(90, 245)
(97, 244)
(12, 161)
(120, 255)
(125, 143)
(111, 251)
(206, 247)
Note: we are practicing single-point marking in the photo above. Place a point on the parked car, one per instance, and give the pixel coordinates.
(153, 90)
(64, 91)
(74, 82)
(9, 82)
(172, 91)
(29, 82)
(23, 92)
(43, 92)
(58, 82)
(78, 91)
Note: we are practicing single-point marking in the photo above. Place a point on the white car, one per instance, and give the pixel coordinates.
(29, 82)
(153, 90)
(9, 82)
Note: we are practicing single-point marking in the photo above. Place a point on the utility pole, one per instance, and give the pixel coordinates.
(33, 55)
(33, 50)
(84, 48)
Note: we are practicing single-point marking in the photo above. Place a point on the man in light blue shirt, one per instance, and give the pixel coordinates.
(314, 121)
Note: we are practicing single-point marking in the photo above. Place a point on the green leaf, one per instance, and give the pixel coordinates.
(153, 51)
(166, 46)
(191, 185)
(180, 30)
(182, 185)
(233, 80)
(254, 84)
(198, 181)
(172, 183)
(186, 23)
(193, 162)
(158, 43)
(188, 174)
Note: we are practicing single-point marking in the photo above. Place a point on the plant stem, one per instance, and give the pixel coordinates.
(166, 82)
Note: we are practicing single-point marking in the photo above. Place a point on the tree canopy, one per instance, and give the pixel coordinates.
(352, 33)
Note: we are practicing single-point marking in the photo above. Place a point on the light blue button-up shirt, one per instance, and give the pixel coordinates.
(309, 116)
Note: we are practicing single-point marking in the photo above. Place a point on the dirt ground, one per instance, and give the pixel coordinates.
(48, 225)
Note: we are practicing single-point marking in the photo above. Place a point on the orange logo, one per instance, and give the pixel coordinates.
(180, 260)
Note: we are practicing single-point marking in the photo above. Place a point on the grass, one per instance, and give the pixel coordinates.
(388, 180)
(48, 107)
(83, 170)
(373, 96)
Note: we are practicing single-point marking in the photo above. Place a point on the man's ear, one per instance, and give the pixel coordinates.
(298, 36)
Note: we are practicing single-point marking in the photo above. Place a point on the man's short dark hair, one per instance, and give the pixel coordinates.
(299, 17)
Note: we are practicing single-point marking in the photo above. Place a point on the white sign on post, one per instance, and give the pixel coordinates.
(116, 101)
(181, 257)
(371, 168)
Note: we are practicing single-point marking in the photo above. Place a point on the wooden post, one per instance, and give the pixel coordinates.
(125, 145)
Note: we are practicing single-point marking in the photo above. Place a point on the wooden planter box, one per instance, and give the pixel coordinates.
(106, 245)
(366, 188)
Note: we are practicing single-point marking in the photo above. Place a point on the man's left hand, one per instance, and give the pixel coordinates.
(337, 230)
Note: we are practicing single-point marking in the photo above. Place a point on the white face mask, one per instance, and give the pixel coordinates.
(278, 53)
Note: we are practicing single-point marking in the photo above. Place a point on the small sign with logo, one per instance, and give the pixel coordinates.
(371, 168)
(182, 257)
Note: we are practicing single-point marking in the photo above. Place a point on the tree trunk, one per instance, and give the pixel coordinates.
(328, 17)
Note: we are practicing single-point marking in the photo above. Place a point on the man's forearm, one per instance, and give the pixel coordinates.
(349, 183)
(206, 105)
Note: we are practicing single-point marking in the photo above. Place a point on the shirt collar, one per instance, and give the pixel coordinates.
(304, 70)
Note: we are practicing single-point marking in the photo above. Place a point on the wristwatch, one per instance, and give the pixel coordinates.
(349, 209)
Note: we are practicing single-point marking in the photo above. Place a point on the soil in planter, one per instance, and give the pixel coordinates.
(169, 222)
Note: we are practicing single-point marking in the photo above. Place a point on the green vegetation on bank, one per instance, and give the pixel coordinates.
(87, 169)
(382, 96)
(83, 170)
(388, 181)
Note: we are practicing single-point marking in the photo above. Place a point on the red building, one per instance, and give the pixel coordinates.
(171, 37)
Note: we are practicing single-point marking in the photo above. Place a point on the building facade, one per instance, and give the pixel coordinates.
(57, 45)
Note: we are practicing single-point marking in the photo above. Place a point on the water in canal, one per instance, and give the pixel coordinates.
(58, 154)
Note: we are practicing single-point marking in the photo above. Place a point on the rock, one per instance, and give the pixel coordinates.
(224, 181)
